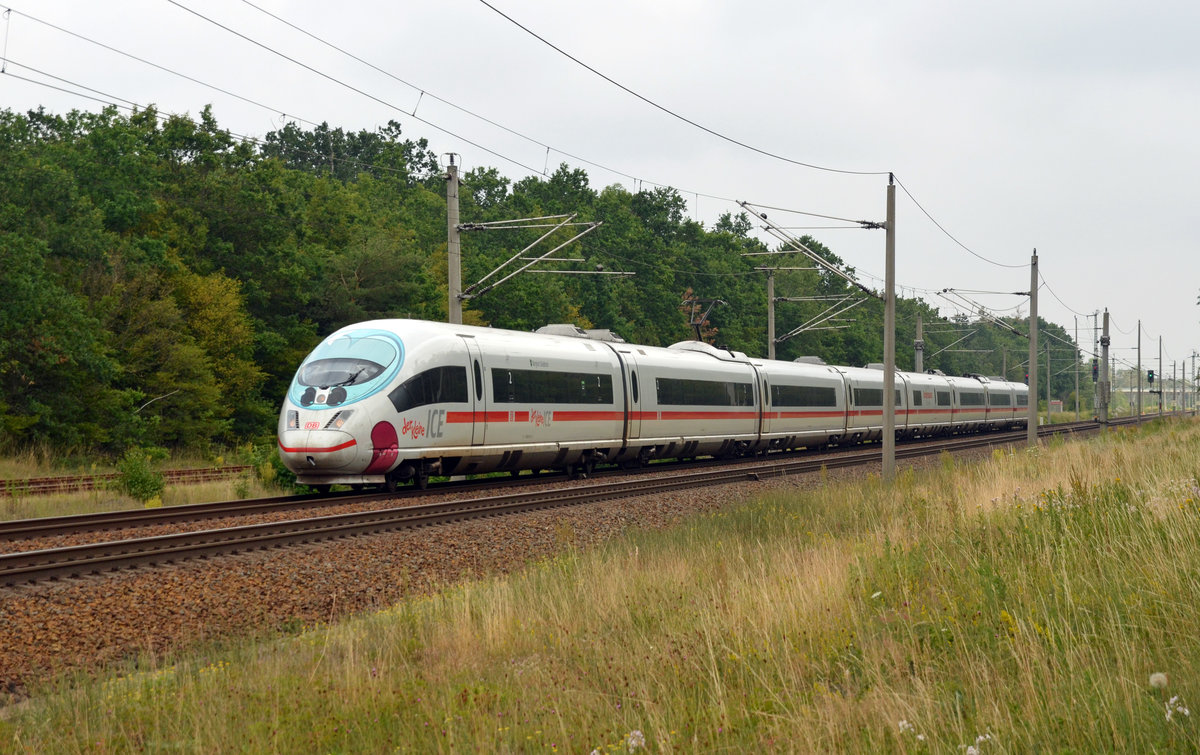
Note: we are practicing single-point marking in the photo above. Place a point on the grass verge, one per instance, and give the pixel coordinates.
(1015, 605)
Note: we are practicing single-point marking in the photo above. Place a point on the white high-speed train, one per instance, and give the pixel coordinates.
(389, 401)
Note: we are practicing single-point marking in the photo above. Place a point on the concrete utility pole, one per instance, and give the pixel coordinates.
(889, 339)
(1160, 378)
(1076, 369)
(1031, 430)
(453, 245)
(770, 314)
(919, 348)
(1049, 373)
(1139, 372)
(1104, 385)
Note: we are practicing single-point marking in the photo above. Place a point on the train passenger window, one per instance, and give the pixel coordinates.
(478, 382)
(633, 382)
(1022, 399)
(1000, 399)
(972, 398)
(682, 392)
(943, 398)
(437, 386)
(803, 395)
(916, 398)
(543, 386)
(868, 397)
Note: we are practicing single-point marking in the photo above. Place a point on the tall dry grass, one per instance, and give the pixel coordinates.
(1014, 605)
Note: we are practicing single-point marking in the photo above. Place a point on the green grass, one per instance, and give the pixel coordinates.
(258, 482)
(1015, 605)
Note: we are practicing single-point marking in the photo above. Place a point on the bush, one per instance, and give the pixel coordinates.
(137, 476)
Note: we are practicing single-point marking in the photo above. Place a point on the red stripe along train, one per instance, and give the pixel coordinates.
(390, 401)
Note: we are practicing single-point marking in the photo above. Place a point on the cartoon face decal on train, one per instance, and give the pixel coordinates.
(347, 367)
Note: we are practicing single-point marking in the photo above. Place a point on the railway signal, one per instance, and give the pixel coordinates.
(1150, 377)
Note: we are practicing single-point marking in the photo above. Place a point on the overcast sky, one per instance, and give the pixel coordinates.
(1069, 127)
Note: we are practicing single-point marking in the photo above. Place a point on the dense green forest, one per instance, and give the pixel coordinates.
(163, 280)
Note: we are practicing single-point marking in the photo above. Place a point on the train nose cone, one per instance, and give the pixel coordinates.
(317, 449)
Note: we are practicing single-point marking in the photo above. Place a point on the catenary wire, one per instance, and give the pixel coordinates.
(668, 111)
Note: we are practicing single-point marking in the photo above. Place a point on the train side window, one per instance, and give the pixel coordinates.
(436, 386)
(478, 382)
(916, 398)
(943, 398)
(803, 395)
(633, 382)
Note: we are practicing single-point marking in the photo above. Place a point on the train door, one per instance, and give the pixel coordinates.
(760, 387)
(766, 411)
(478, 391)
(633, 396)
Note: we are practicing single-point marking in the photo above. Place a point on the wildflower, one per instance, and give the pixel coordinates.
(1175, 705)
(876, 595)
(905, 725)
(1158, 680)
(636, 740)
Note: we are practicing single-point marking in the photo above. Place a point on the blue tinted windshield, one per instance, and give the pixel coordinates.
(358, 363)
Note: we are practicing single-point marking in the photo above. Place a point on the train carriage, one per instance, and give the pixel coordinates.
(386, 401)
(697, 399)
(804, 404)
(864, 413)
(969, 403)
(931, 405)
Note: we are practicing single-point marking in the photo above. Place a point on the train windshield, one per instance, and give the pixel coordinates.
(327, 373)
(347, 361)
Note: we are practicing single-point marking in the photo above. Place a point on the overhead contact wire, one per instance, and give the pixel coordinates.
(668, 111)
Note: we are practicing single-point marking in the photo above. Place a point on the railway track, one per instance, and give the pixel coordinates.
(95, 558)
(83, 483)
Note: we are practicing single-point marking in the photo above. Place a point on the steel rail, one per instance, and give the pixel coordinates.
(79, 560)
(46, 527)
(19, 486)
(57, 563)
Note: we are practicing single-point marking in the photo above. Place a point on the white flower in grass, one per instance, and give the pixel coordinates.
(1175, 705)
(636, 740)
(1158, 680)
(905, 725)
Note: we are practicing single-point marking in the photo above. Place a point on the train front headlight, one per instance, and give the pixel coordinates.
(339, 419)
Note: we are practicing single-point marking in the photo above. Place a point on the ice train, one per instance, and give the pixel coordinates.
(392, 401)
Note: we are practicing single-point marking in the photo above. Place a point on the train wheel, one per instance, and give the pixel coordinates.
(390, 484)
(515, 473)
(322, 489)
(421, 480)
